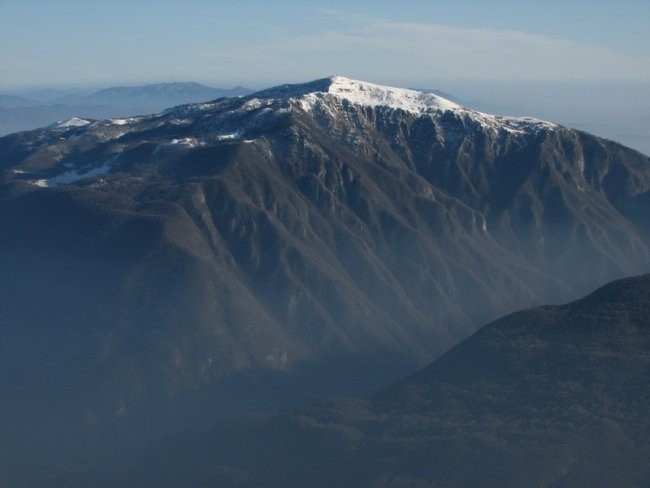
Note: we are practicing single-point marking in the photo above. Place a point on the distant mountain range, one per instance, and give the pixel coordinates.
(158, 273)
(42, 108)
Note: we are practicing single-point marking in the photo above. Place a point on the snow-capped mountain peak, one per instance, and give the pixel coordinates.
(371, 94)
(360, 93)
(315, 93)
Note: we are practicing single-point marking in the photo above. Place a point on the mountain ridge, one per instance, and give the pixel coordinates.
(160, 259)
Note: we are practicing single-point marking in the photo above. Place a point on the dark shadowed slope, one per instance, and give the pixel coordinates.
(549, 397)
(157, 273)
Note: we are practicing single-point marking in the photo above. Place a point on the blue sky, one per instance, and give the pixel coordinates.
(255, 43)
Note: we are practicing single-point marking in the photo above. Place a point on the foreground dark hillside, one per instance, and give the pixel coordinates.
(548, 397)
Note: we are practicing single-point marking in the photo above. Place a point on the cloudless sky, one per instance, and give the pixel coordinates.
(256, 43)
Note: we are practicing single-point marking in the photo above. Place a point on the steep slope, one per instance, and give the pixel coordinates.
(549, 397)
(248, 253)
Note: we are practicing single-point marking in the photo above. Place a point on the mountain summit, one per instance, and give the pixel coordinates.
(316, 239)
(361, 93)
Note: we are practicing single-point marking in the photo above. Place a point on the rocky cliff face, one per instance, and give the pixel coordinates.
(149, 261)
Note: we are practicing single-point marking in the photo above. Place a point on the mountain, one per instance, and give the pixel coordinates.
(43, 96)
(555, 396)
(47, 107)
(11, 101)
(160, 272)
(163, 95)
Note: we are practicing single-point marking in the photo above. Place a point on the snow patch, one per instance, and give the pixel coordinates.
(75, 175)
(119, 121)
(127, 121)
(177, 121)
(185, 141)
(528, 121)
(71, 122)
(230, 136)
(189, 142)
(252, 104)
